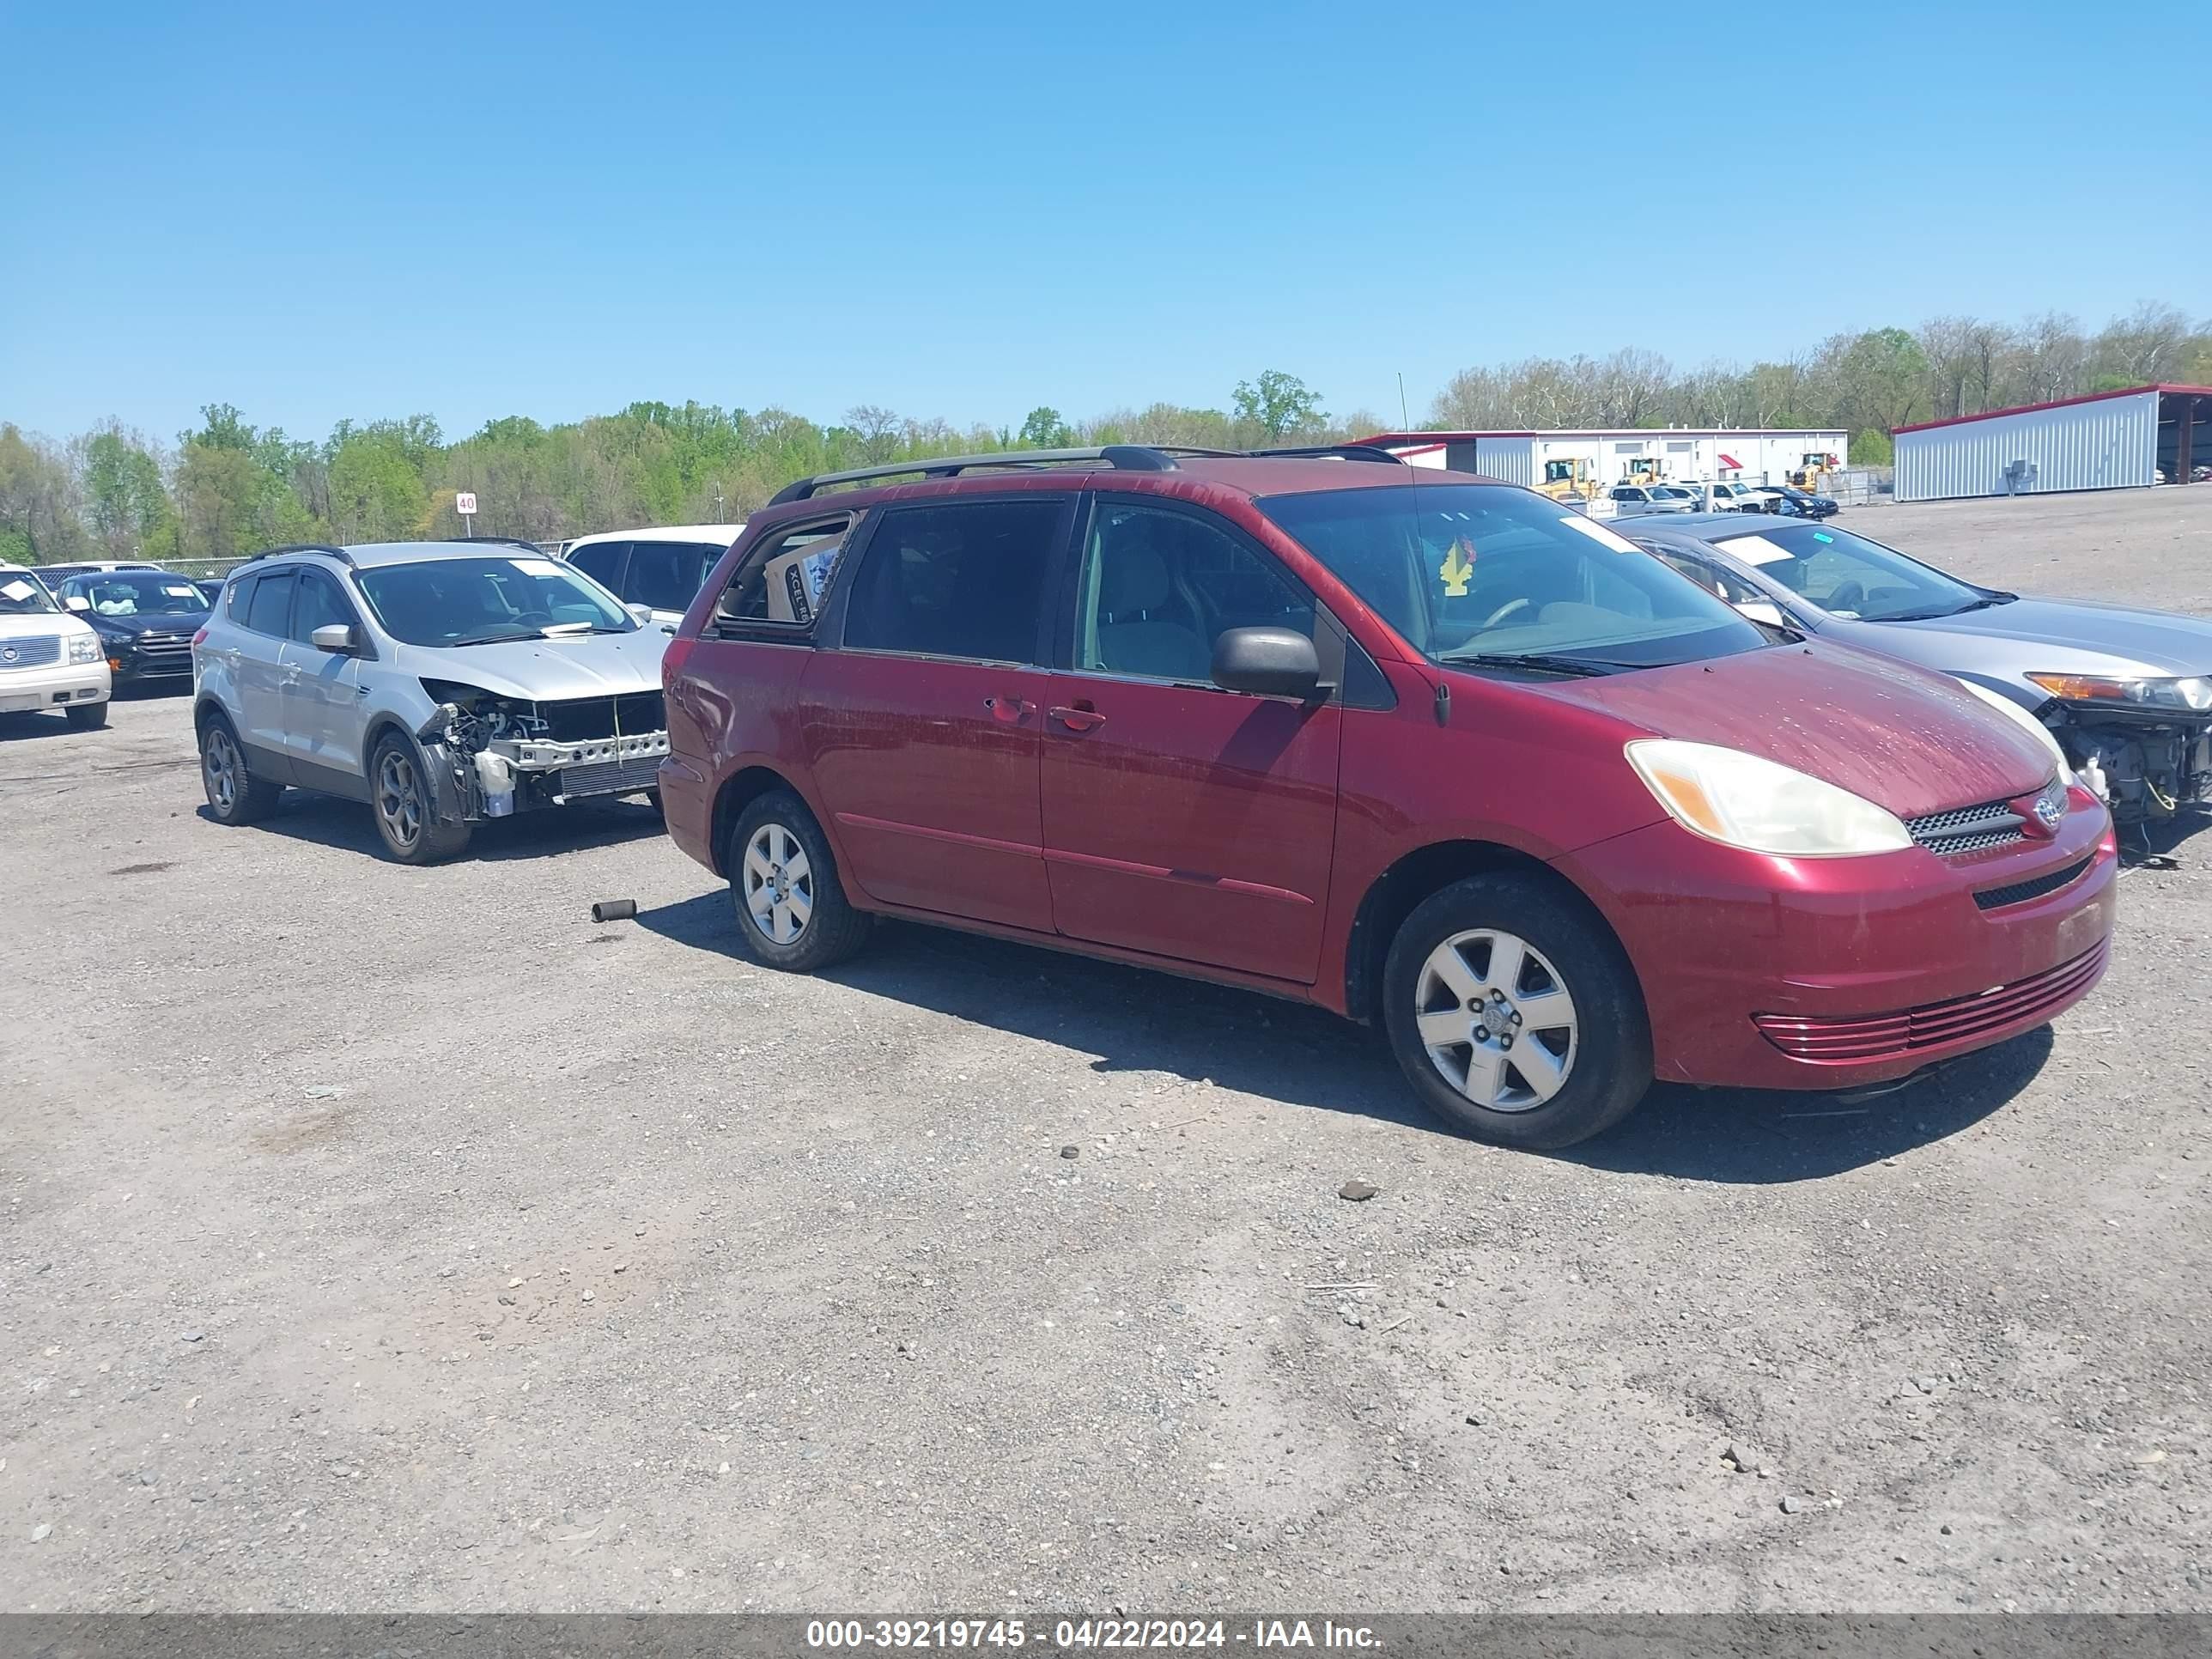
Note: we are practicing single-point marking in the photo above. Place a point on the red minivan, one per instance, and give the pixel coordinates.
(1423, 749)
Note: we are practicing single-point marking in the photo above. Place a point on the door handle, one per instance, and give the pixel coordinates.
(1008, 709)
(1079, 720)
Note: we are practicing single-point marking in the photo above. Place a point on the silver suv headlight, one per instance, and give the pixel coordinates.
(85, 648)
(2193, 694)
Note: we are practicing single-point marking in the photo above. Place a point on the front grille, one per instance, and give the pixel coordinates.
(1996, 898)
(620, 777)
(596, 717)
(35, 652)
(164, 653)
(1967, 829)
(2023, 1003)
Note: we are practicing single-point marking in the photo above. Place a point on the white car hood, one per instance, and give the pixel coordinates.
(40, 624)
(547, 670)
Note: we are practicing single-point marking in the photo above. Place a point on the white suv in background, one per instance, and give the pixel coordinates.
(660, 568)
(48, 658)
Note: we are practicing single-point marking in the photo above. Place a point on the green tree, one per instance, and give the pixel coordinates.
(1044, 429)
(126, 505)
(1279, 404)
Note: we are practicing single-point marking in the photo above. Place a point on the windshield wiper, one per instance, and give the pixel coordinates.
(491, 639)
(1985, 602)
(1551, 663)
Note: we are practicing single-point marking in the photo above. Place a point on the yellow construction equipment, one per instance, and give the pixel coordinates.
(1563, 478)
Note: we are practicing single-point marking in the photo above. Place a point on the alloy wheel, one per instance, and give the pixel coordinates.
(1497, 1019)
(219, 761)
(778, 884)
(400, 799)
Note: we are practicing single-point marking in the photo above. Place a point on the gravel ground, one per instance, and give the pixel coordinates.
(382, 1239)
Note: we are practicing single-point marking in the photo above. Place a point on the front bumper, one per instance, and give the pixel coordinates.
(53, 686)
(522, 775)
(1837, 973)
(146, 661)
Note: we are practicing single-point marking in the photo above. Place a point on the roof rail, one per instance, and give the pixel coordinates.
(1129, 457)
(337, 553)
(1335, 453)
(499, 540)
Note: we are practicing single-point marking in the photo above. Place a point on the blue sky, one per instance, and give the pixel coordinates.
(966, 211)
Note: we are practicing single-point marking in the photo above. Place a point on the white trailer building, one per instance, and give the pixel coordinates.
(2106, 440)
(1598, 459)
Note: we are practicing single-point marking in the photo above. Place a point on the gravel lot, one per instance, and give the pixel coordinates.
(381, 1239)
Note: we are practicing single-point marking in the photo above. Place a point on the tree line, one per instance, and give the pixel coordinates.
(227, 488)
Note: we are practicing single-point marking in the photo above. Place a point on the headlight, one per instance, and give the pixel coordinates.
(2012, 711)
(2194, 694)
(85, 648)
(1740, 800)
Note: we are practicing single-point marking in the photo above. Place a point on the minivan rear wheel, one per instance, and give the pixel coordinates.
(792, 912)
(1515, 1014)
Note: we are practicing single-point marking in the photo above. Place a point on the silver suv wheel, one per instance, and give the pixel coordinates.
(219, 762)
(400, 799)
(1497, 1019)
(778, 884)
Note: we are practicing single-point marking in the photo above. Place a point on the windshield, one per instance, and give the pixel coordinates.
(1474, 572)
(133, 594)
(22, 595)
(448, 602)
(1849, 577)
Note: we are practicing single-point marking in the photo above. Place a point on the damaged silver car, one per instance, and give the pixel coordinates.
(2126, 694)
(439, 682)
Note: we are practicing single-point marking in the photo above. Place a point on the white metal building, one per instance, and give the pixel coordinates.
(2106, 440)
(1636, 454)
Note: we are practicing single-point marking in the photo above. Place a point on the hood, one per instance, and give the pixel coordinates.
(547, 670)
(39, 625)
(2053, 636)
(1906, 739)
(182, 623)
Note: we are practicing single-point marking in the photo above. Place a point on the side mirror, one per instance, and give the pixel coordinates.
(1763, 610)
(641, 614)
(1270, 662)
(77, 601)
(336, 637)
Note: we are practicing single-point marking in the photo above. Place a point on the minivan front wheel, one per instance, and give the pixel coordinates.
(792, 912)
(1515, 1015)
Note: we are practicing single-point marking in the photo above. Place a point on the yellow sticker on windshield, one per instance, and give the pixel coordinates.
(1457, 568)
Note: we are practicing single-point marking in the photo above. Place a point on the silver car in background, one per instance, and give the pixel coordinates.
(2127, 693)
(439, 682)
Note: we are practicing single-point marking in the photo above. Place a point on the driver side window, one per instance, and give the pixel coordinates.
(1157, 588)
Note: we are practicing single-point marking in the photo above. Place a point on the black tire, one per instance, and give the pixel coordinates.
(400, 802)
(1607, 1051)
(831, 930)
(235, 795)
(87, 716)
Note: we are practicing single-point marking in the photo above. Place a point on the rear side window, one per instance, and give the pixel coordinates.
(271, 606)
(238, 597)
(784, 578)
(961, 579)
(665, 575)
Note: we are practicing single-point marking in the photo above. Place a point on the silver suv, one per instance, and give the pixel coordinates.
(442, 683)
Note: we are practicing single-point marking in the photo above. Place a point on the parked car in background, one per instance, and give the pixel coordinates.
(1796, 503)
(1629, 500)
(211, 586)
(660, 569)
(441, 682)
(1447, 755)
(2126, 693)
(1744, 498)
(145, 617)
(54, 574)
(48, 658)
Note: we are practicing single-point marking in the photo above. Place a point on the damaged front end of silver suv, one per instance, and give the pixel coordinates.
(491, 755)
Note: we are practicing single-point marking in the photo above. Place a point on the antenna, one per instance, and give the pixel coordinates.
(1405, 420)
